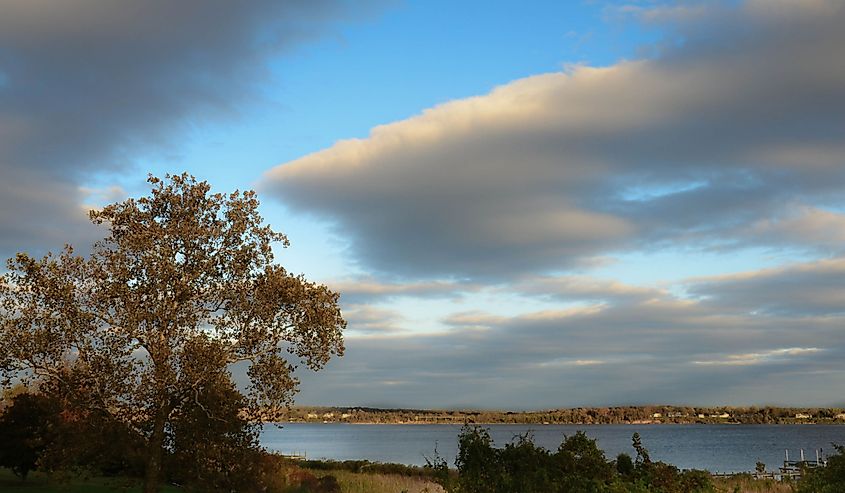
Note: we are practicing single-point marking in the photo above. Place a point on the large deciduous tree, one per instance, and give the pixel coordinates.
(182, 289)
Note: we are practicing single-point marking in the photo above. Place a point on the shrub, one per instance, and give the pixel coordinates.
(578, 466)
(829, 479)
(26, 430)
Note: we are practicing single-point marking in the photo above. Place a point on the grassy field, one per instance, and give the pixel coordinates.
(350, 482)
(747, 484)
(40, 483)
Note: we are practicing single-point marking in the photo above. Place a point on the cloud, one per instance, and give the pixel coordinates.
(801, 224)
(745, 339)
(712, 136)
(368, 289)
(85, 85)
(758, 358)
(808, 289)
(363, 319)
(585, 288)
(671, 353)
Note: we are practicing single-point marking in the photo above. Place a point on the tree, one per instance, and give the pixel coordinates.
(181, 289)
(26, 429)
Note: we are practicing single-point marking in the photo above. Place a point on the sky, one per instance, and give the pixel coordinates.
(524, 205)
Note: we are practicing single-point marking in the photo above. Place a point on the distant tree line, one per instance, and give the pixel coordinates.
(580, 415)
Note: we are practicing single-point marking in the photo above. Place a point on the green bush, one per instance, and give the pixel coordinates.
(829, 479)
(367, 467)
(578, 466)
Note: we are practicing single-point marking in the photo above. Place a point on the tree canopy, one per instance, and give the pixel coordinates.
(182, 289)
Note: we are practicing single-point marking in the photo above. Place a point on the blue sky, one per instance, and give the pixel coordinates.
(523, 204)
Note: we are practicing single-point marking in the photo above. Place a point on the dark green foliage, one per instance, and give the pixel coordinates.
(578, 466)
(97, 443)
(27, 428)
(212, 447)
(581, 465)
(366, 467)
(47, 432)
(642, 453)
(478, 462)
(660, 477)
(624, 465)
(830, 479)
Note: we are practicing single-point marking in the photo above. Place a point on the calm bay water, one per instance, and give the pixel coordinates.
(717, 448)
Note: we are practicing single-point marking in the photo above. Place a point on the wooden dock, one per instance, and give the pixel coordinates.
(790, 470)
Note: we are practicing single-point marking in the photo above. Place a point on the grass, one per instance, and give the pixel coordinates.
(41, 483)
(745, 483)
(353, 482)
(350, 482)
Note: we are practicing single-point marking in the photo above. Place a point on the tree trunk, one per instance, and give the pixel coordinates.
(155, 453)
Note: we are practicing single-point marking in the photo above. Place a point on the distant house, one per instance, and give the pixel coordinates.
(802, 416)
(656, 415)
(700, 416)
(311, 416)
(840, 416)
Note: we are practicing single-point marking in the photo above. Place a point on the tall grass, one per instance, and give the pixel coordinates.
(351, 482)
(745, 483)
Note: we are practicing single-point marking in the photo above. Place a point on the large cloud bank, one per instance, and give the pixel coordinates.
(768, 337)
(731, 136)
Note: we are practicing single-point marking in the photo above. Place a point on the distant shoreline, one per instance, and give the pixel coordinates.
(630, 415)
(485, 423)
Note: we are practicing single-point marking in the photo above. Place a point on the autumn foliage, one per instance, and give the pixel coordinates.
(145, 331)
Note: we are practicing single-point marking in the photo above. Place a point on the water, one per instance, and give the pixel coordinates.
(717, 448)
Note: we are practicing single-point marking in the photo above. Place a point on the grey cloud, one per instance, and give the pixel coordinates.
(809, 289)
(87, 84)
(597, 359)
(364, 319)
(763, 337)
(38, 210)
(585, 288)
(369, 289)
(694, 147)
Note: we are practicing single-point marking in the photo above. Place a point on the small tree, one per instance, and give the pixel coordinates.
(27, 428)
(182, 288)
